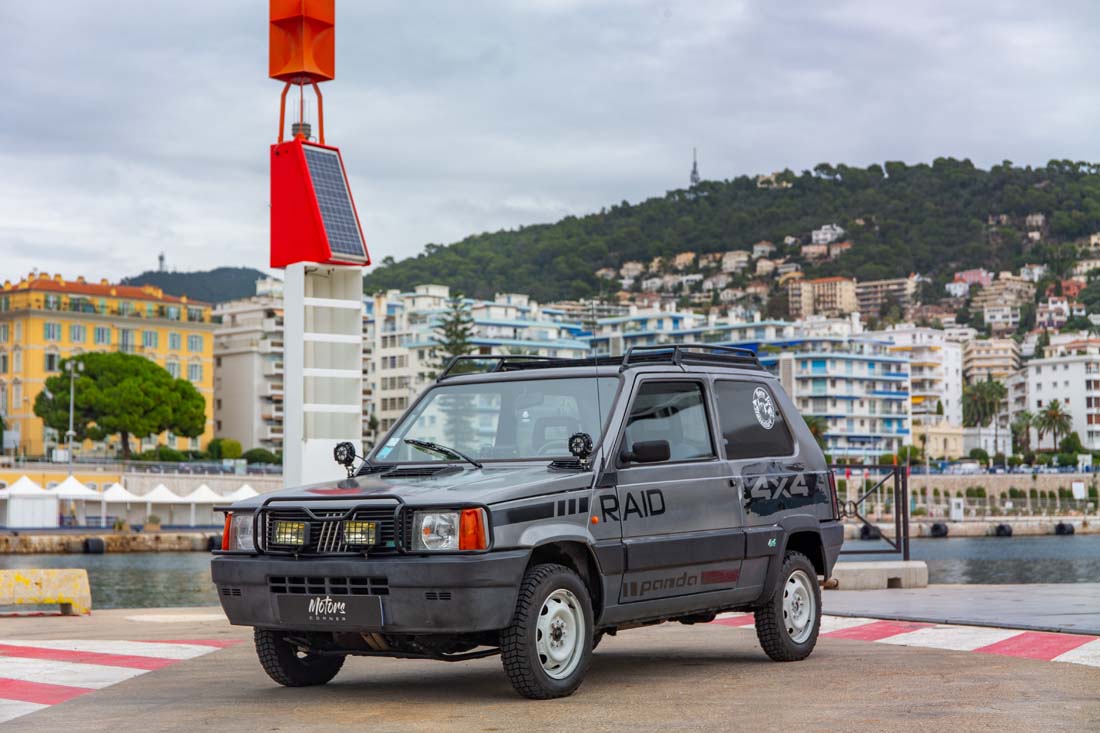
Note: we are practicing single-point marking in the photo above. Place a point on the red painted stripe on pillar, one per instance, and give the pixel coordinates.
(747, 620)
(78, 657)
(1037, 645)
(38, 692)
(877, 630)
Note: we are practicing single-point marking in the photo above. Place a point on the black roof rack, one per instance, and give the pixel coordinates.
(636, 356)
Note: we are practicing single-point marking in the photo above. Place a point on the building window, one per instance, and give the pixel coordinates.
(53, 302)
(194, 372)
(173, 368)
(3, 363)
(150, 339)
(194, 343)
(17, 396)
(175, 342)
(172, 312)
(3, 333)
(102, 336)
(78, 333)
(194, 314)
(52, 331)
(53, 362)
(126, 340)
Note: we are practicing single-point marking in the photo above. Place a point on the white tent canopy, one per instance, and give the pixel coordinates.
(245, 492)
(29, 505)
(163, 496)
(118, 494)
(71, 488)
(206, 496)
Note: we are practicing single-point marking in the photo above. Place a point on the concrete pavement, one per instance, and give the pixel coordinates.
(671, 676)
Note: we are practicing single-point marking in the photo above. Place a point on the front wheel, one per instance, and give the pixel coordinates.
(288, 666)
(547, 647)
(787, 624)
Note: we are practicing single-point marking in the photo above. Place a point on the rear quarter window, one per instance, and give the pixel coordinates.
(750, 420)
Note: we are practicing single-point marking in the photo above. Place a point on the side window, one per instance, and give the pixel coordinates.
(672, 411)
(751, 423)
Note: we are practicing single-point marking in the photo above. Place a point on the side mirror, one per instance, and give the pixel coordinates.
(648, 451)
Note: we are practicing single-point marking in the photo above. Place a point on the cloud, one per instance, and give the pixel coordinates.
(145, 129)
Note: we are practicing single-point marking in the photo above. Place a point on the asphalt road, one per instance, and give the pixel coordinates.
(667, 677)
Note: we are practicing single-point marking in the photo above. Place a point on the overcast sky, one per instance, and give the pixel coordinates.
(139, 126)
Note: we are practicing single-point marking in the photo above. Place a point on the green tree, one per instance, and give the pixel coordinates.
(1021, 431)
(1055, 420)
(121, 394)
(259, 455)
(818, 427)
(220, 448)
(454, 330)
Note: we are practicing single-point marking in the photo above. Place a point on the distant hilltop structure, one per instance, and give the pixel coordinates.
(694, 169)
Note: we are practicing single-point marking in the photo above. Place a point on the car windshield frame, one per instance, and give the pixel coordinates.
(394, 437)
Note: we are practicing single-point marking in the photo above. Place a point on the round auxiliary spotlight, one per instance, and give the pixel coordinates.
(580, 445)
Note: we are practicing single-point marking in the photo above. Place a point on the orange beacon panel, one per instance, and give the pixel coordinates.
(302, 40)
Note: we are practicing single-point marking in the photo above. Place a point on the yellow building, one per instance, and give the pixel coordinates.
(44, 319)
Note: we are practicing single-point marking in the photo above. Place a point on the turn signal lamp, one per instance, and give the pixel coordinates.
(471, 530)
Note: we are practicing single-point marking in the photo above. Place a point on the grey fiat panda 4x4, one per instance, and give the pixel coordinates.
(532, 508)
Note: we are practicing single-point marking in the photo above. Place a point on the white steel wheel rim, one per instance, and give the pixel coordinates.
(559, 634)
(799, 607)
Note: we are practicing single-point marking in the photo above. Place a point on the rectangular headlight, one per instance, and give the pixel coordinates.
(360, 533)
(448, 531)
(239, 535)
(289, 533)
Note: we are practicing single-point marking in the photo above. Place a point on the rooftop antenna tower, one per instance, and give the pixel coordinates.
(160, 262)
(694, 169)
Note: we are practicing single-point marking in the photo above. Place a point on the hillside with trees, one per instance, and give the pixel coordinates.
(932, 219)
(208, 286)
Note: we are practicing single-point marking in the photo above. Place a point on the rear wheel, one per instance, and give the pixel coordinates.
(788, 623)
(288, 666)
(547, 647)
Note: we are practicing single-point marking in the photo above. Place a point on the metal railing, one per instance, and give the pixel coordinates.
(895, 481)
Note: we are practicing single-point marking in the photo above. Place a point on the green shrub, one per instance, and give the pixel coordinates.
(152, 519)
(979, 454)
(920, 511)
(220, 448)
(259, 455)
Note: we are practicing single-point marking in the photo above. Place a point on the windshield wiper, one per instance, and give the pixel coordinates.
(429, 447)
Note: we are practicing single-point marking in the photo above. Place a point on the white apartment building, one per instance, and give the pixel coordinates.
(936, 370)
(1070, 373)
(827, 234)
(401, 340)
(248, 369)
(1001, 318)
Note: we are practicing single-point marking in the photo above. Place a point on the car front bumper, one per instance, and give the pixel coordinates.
(418, 594)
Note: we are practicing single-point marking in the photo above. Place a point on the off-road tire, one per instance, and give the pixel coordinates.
(771, 630)
(517, 641)
(280, 660)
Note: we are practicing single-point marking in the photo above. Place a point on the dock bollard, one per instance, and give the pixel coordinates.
(67, 588)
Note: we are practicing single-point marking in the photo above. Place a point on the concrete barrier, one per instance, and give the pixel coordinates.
(67, 588)
(880, 575)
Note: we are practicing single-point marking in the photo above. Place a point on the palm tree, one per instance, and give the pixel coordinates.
(818, 427)
(994, 394)
(1021, 429)
(1053, 419)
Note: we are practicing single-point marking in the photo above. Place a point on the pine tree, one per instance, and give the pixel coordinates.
(453, 333)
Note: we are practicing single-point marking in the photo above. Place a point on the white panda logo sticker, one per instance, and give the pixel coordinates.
(763, 407)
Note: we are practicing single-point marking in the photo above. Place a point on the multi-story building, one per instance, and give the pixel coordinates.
(827, 234)
(935, 369)
(874, 294)
(1007, 289)
(735, 260)
(1033, 273)
(828, 296)
(994, 358)
(763, 248)
(1001, 319)
(248, 371)
(1070, 374)
(45, 319)
(683, 260)
(1056, 311)
(978, 276)
(400, 337)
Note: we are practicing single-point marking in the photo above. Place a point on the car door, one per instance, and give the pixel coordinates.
(768, 474)
(679, 518)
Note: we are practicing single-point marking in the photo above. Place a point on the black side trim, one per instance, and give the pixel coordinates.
(610, 556)
(763, 541)
(696, 548)
(528, 513)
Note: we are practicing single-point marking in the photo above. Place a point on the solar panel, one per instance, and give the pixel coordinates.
(334, 199)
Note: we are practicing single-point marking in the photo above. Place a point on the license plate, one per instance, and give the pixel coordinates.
(328, 610)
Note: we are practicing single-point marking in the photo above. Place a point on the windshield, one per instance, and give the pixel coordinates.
(503, 420)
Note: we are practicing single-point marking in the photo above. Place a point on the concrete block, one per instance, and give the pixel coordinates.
(880, 575)
(67, 588)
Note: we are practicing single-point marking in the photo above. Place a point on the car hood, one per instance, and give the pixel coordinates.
(457, 484)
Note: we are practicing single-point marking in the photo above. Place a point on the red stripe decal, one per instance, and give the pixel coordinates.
(38, 692)
(216, 643)
(720, 576)
(877, 630)
(1037, 645)
(68, 655)
(747, 620)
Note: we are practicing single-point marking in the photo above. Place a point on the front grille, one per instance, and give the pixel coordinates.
(302, 585)
(326, 530)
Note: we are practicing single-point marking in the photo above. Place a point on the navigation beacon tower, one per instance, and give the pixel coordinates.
(694, 169)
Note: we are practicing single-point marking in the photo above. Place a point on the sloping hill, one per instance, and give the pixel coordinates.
(210, 286)
(931, 219)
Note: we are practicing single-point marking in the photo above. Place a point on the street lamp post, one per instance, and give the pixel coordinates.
(72, 367)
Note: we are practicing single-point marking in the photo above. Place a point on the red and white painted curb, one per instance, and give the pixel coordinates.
(40, 673)
(1042, 645)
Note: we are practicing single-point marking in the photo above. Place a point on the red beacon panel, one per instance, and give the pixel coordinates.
(313, 216)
